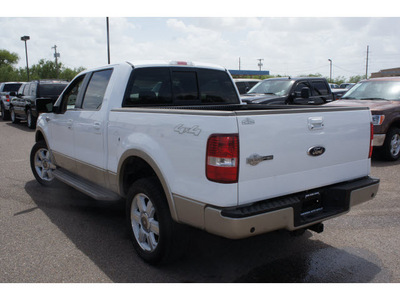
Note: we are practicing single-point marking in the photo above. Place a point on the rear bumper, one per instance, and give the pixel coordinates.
(290, 212)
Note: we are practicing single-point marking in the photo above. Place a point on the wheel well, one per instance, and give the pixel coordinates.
(39, 136)
(133, 169)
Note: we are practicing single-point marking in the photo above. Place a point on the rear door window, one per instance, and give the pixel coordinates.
(319, 88)
(96, 89)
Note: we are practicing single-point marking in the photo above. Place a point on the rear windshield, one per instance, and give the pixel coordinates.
(51, 90)
(11, 87)
(180, 86)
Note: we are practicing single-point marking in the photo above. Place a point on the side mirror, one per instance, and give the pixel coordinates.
(305, 92)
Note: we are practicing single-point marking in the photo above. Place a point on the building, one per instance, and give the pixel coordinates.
(248, 73)
(386, 73)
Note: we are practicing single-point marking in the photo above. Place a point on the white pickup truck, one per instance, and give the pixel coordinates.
(175, 141)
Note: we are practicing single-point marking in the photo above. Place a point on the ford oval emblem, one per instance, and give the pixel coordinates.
(316, 151)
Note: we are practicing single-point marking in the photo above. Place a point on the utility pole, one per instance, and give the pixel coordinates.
(56, 55)
(260, 64)
(108, 40)
(239, 63)
(366, 66)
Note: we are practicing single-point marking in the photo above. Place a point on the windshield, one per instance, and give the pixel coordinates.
(274, 87)
(374, 90)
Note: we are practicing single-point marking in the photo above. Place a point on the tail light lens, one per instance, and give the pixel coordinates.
(371, 139)
(222, 161)
(8, 98)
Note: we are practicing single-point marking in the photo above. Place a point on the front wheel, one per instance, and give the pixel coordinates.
(149, 221)
(14, 119)
(42, 164)
(31, 120)
(391, 147)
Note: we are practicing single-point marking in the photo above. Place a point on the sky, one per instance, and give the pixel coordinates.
(296, 41)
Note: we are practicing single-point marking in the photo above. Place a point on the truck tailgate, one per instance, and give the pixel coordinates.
(293, 150)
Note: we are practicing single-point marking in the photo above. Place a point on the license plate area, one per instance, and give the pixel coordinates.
(311, 204)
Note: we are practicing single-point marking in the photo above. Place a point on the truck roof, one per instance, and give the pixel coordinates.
(173, 63)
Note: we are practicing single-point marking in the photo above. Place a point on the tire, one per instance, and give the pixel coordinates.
(5, 114)
(31, 120)
(42, 164)
(391, 147)
(149, 221)
(14, 119)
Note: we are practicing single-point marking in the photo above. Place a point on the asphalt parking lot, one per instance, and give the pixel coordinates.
(60, 235)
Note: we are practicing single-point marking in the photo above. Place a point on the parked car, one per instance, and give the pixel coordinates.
(245, 84)
(346, 85)
(334, 86)
(23, 106)
(7, 91)
(188, 151)
(338, 93)
(303, 90)
(382, 96)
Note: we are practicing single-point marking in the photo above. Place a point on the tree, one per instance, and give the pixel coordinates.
(47, 69)
(356, 78)
(7, 58)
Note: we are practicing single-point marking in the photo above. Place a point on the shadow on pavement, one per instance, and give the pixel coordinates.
(98, 230)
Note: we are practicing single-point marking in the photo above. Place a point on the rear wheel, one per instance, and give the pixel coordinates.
(149, 221)
(391, 147)
(42, 164)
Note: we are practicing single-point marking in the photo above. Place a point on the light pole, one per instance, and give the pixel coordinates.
(108, 39)
(330, 70)
(26, 38)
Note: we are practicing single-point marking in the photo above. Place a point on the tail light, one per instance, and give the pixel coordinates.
(222, 161)
(8, 98)
(371, 139)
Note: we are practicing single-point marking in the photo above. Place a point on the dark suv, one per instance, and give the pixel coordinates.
(23, 106)
(304, 90)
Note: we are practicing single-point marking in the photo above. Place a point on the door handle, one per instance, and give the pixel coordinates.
(97, 125)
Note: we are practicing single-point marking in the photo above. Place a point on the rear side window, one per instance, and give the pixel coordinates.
(320, 88)
(96, 89)
(51, 90)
